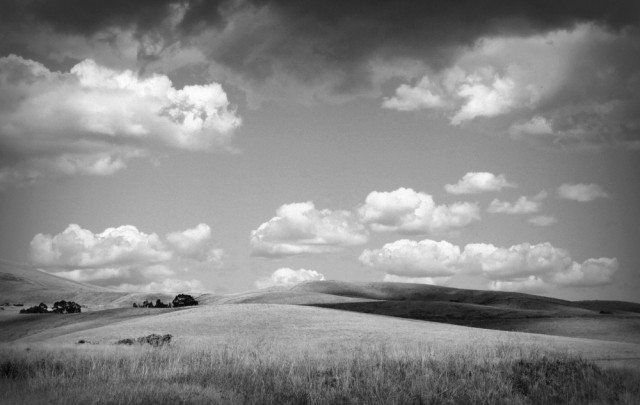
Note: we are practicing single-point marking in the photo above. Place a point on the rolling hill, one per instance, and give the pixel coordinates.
(503, 311)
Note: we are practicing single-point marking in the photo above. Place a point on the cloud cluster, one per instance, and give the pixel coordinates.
(125, 256)
(93, 119)
(300, 228)
(478, 182)
(285, 277)
(538, 85)
(518, 267)
(409, 212)
(581, 192)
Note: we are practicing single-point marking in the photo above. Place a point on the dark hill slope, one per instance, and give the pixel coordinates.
(420, 292)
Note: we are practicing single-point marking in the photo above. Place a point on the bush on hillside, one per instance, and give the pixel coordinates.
(38, 309)
(184, 300)
(154, 340)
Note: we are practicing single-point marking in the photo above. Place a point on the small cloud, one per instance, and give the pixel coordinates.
(288, 277)
(169, 286)
(392, 278)
(300, 228)
(535, 126)
(485, 94)
(581, 192)
(422, 96)
(523, 205)
(543, 220)
(478, 182)
(409, 212)
(532, 284)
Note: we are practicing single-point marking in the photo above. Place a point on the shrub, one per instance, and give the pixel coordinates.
(184, 300)
(38, 309)
(154, 340)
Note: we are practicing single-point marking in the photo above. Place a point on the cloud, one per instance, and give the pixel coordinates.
(543, 220)
(522, 266)
(478, 182)
(124, 255)
(300, 228)
(392, 278)
(285, 277)
(169, 285)
(325, 46)
(409, 212)
(581, 192)
(536, 87)
(408, 258)
(523, 205)
(92, 120)
(408, 98)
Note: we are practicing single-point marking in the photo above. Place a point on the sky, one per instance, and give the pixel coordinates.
(224, 146)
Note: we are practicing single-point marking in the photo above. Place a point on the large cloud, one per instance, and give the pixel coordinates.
(478, 182)
(407, 211)
(288, 277)
(517, 267)
(308, 41)
(537, 85)
(92, 120)
(300, 228)
(581, 192)
(125, 256)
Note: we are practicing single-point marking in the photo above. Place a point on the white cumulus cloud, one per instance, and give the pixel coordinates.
(300, 228)
(478, 182)
(581, 192)
(407, 211)
(288, 277)
(522, 266)
(407, 258)
(423, 96)
(124, 255)
(92, 120)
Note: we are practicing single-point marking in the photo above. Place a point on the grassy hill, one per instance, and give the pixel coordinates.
(23, 284)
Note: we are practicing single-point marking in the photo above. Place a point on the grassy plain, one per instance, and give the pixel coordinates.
(262, 373)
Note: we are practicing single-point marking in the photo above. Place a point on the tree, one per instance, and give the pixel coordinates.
(183, 300)
(64, 307)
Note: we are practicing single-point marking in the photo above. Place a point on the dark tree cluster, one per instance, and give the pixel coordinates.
(59, 307)
(181, 300)
(150, 304)
(184, 300)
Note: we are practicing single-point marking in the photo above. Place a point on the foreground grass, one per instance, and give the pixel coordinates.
(257, 374)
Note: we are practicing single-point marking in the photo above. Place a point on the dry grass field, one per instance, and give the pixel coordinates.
(321, 343)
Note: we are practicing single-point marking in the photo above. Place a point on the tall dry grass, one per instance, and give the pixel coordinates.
(259, 373)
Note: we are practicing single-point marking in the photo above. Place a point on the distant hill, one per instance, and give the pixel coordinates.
(23, 284)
